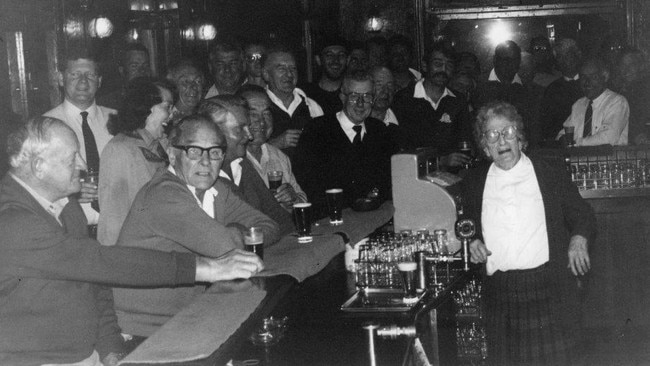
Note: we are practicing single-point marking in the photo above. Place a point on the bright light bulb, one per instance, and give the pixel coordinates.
(206, 32)
(100, 27)
(499, 32)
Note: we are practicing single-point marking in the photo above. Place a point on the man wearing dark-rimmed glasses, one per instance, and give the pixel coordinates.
(184, 208)
(348, 149)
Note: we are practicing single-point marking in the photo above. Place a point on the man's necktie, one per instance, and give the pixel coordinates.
(92, 154)
(357, 138)
(588, 116)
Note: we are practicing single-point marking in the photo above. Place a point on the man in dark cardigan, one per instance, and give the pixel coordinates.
(532, 225)
(55, 303)
(348, 150)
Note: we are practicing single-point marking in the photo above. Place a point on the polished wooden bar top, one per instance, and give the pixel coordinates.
(246, 302)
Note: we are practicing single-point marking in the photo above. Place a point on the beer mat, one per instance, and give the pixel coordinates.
(303, 260)
(199, 329)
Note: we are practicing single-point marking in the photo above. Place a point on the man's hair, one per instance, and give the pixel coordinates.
(565, 46)
(30, 140)
(507, 46)
(277, 48)
(359, 76)
(249, 89)
(181, 64)
(600, 64)
(332, 40)
(78, 53)
(226, 45)
(141, 95)
(498, 109)
(188, 126)
(217, 107)
(131, 47)
(443, 47)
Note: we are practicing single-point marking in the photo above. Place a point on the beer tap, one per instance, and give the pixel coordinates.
(465, 231)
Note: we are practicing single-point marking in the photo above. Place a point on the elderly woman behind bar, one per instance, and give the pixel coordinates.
(533, 238)
(130, 159)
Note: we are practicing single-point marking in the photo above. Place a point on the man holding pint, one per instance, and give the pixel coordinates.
(348, 150)
(55, 306)
(184, 209)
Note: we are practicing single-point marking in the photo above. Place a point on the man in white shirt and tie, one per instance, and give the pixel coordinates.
(80, 79)
(601, 116)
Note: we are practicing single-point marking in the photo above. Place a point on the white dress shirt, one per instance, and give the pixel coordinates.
(348, 125)
(207, 205)
(609, 121)
(314, 109)
(274, 159)
(420, 92)
(235, 169)
(513, 218)
(97, 120)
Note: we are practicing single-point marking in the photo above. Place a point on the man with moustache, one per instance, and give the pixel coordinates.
(431, 115)
(80, 79)
(292, 109)
(189, 82)
(332, 61)
(184, 209)
(237, 171)
(348, 150)
(227, 68)
(601, 116)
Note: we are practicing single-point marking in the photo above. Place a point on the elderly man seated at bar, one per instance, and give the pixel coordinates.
(601, 116)
(533, 238)
(269, 161)
(54, 304)
(185, 209)
(237, 171)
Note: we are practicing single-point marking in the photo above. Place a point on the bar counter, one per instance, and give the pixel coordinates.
(317, 331)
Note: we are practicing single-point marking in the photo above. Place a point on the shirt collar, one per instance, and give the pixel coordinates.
(575, 78)
(72, 109)
(147, 137)
(297, 94)
(493, 77)
(521, 169)
(346, 124)
(390, 118)
(53, 208)
(192, 189)
(420, 92)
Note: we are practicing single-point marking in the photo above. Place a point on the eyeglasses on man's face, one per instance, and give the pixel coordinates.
(78, 75)
(196, 152)
(367, 98)
(508, 133)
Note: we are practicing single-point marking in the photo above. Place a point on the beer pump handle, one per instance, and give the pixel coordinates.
(465, 231)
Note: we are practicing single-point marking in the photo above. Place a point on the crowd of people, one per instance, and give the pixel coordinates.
(183, 162)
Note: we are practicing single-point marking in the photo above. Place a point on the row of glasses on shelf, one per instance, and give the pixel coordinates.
(378, 258)
(629, 174)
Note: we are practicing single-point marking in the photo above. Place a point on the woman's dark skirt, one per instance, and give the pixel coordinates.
(532, 317)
